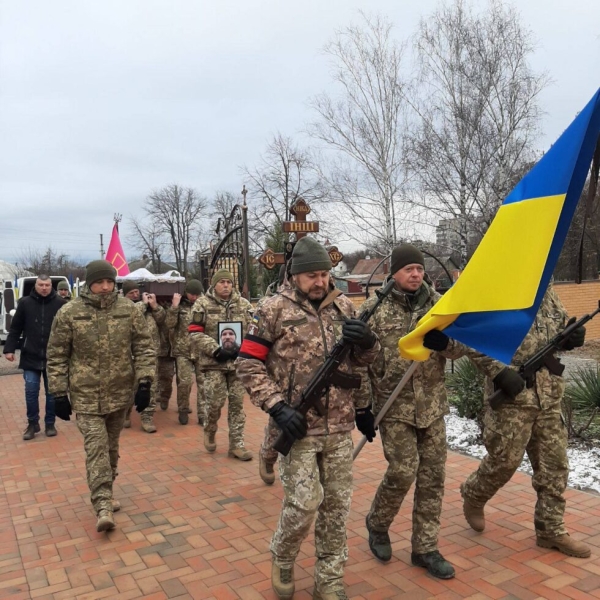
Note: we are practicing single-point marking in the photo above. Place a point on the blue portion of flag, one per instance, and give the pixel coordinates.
(562, 170)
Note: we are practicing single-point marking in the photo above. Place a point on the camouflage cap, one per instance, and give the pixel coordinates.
(99, 269)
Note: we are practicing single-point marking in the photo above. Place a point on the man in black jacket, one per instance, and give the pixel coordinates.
(33, 320)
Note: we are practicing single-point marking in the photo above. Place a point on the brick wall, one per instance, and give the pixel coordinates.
(580, 299)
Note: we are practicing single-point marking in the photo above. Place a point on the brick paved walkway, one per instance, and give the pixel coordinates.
(195, 525)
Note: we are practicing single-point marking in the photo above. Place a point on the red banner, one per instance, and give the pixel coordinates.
(115, 255)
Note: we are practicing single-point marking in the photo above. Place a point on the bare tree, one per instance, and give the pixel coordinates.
(478, 113)
(49, 262)
(176, 211)
(149, 238)
(284, 173)
(363, 130)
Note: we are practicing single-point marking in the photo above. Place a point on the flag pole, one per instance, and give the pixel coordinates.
(388, 403)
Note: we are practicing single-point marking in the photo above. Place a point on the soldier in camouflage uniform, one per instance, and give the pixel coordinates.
(530, 422)
(165, 370)
(267, 455)
(178, 320)
(413, 431)
(154, 316)
(99, 352)
(221, 304)
(62, 289)
(291, 335)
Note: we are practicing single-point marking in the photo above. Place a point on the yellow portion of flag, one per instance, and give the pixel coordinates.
(503, 274)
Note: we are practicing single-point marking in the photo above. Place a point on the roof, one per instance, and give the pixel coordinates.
(146, 263)
(366, 266)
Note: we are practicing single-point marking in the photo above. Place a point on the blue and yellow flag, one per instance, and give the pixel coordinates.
(494, 302)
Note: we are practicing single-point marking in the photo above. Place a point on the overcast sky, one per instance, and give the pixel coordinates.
(101, 102)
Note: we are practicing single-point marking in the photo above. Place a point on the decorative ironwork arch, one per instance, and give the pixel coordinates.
(231, 247)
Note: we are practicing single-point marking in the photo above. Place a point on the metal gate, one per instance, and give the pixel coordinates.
(231, 248)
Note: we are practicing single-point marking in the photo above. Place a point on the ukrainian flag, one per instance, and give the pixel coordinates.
(494, 302)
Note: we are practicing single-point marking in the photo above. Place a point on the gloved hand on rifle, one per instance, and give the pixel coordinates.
(62, 407)
(358, 333)
(221, 355)
(510, 382)
(142, 396)
(365, 422)
(576, 339)
(436, 340)
(289, 420)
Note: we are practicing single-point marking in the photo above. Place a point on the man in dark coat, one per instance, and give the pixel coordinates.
(33, 320)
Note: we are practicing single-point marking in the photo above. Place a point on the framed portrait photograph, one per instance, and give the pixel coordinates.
(230, 335)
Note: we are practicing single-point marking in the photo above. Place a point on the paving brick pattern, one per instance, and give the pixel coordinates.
(197, 526)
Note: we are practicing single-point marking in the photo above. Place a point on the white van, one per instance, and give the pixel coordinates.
(9, 297)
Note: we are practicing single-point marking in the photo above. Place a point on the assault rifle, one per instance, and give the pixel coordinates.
(327, 374)
(543, 358)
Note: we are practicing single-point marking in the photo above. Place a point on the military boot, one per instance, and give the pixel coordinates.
(164, 404)
(266, 471)
(29, 432)
(435, 564)
(282, 580)
(473, 514)
(209, 442)
(379, 542)
(36, 428)
(105, 521)
(50, 430)
(240, 453)
(565, 544)
(183, 417)
(148, 424)
(337, 595)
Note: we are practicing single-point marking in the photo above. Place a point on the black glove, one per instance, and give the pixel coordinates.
(365, 422)
(358, 333)
(221, 355)
(142, 396)
(436, 340)
(576, 339)
(62, 408)
(510, 382)
(289, 420)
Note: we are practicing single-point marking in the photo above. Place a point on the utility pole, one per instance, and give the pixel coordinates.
(101, 248)
(246, 245)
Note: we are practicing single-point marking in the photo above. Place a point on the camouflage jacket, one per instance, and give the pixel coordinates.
(154, 319)
(99, 349)
(423, 399)
(286, 343)
(207, 313)
(177, 323)
(548, 390)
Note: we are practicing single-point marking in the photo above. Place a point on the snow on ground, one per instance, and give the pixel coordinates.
(585, 463)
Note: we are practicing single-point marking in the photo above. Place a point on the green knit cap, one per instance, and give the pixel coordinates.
(62, 285)
(406, 254)
(99, 269)
(194, 287)
(129, 286)
(221, 274)
(309, 255)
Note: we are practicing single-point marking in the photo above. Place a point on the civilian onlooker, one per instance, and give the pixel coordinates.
(33, 320)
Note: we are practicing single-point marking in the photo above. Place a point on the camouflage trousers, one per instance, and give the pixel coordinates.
(268, 454)
(317, 479)
(165, 370)
(508, 433)
(101, 444)
(220, 386)
(412, 454)
(186, 369)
